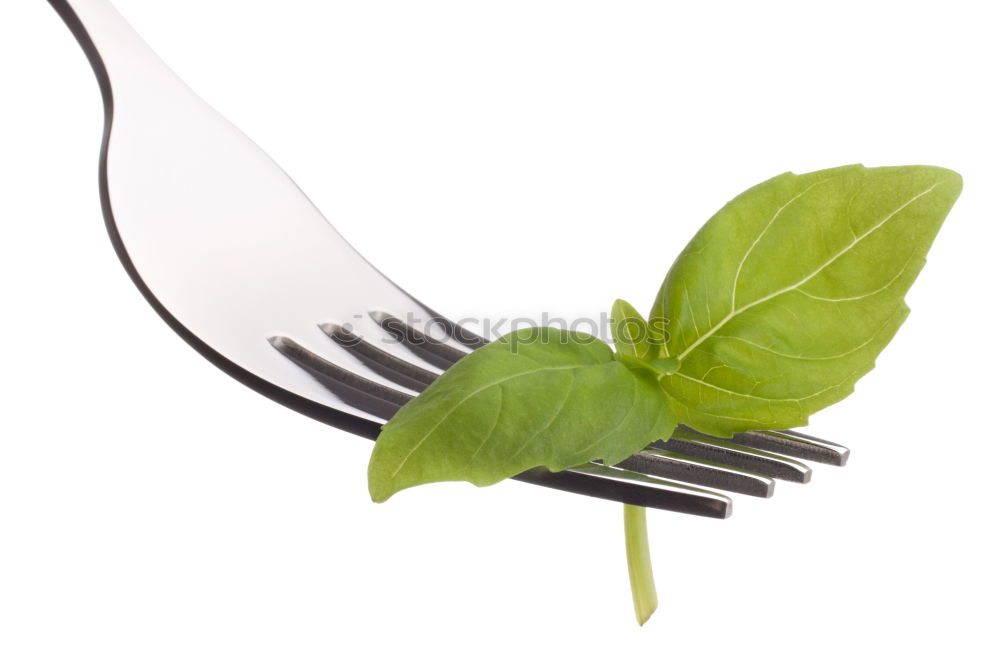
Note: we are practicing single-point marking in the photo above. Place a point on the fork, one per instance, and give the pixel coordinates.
(237, 260)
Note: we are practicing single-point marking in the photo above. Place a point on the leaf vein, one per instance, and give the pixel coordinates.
(763, 232)
(750, 395)
(471, 395)
(632, 401)
(493, 427)
(861, 296)
(550, 420)
(822, 267)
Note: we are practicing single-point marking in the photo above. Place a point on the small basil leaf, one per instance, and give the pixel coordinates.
(536, 397)
(787, 295)
(630, 332)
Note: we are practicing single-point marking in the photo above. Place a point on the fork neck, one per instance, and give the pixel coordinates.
(115, 50)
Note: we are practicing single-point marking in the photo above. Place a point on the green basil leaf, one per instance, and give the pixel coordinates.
(536, 397)
(786, 296)
(631, 333)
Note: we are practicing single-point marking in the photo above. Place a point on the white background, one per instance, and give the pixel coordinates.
(496, 159)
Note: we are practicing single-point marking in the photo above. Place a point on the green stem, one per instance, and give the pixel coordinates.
(640, 568)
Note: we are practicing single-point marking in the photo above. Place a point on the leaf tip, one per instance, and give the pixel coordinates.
(953, 180)
(948, 183)
(378, 492)
(380, 487)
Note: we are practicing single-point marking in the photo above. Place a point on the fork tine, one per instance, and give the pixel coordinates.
(702, 472)
(736, 455)
(797, 444)
(638, 489)
(434, 352)
(380, 361)
(355, 390)
(457, 333)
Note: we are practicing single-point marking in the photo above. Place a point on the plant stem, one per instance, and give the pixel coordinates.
(640, 568)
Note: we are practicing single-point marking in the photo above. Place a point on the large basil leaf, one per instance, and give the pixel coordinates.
(537, 397)
(786, 296)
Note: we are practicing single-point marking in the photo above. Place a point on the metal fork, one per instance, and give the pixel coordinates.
(236, 259)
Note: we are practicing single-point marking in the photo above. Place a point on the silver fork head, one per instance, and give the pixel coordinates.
(216, 236)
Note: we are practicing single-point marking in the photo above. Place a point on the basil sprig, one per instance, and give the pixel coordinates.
(776, 307)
